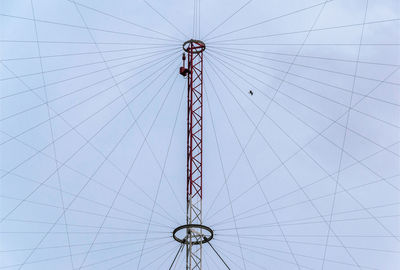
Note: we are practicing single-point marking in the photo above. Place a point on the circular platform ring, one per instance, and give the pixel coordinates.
(201, 48)
(188, 226)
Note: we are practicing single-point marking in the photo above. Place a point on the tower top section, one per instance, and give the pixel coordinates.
(195, 45)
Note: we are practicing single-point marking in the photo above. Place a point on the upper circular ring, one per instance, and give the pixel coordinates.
(188, 226)
(200, 48)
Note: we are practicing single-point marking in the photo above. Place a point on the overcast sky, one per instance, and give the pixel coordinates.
(303, 174)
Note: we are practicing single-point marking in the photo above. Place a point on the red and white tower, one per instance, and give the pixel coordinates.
(194, 237)
(194, 50)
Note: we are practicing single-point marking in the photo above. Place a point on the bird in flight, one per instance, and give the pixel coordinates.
(251, 92)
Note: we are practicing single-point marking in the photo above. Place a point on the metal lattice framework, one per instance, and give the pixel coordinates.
(194, 72)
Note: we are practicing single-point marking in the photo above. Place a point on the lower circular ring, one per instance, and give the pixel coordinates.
(188, 226)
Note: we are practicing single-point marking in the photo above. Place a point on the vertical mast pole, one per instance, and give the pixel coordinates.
(194, 72)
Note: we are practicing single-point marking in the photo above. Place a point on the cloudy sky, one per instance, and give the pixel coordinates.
(303, 174)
